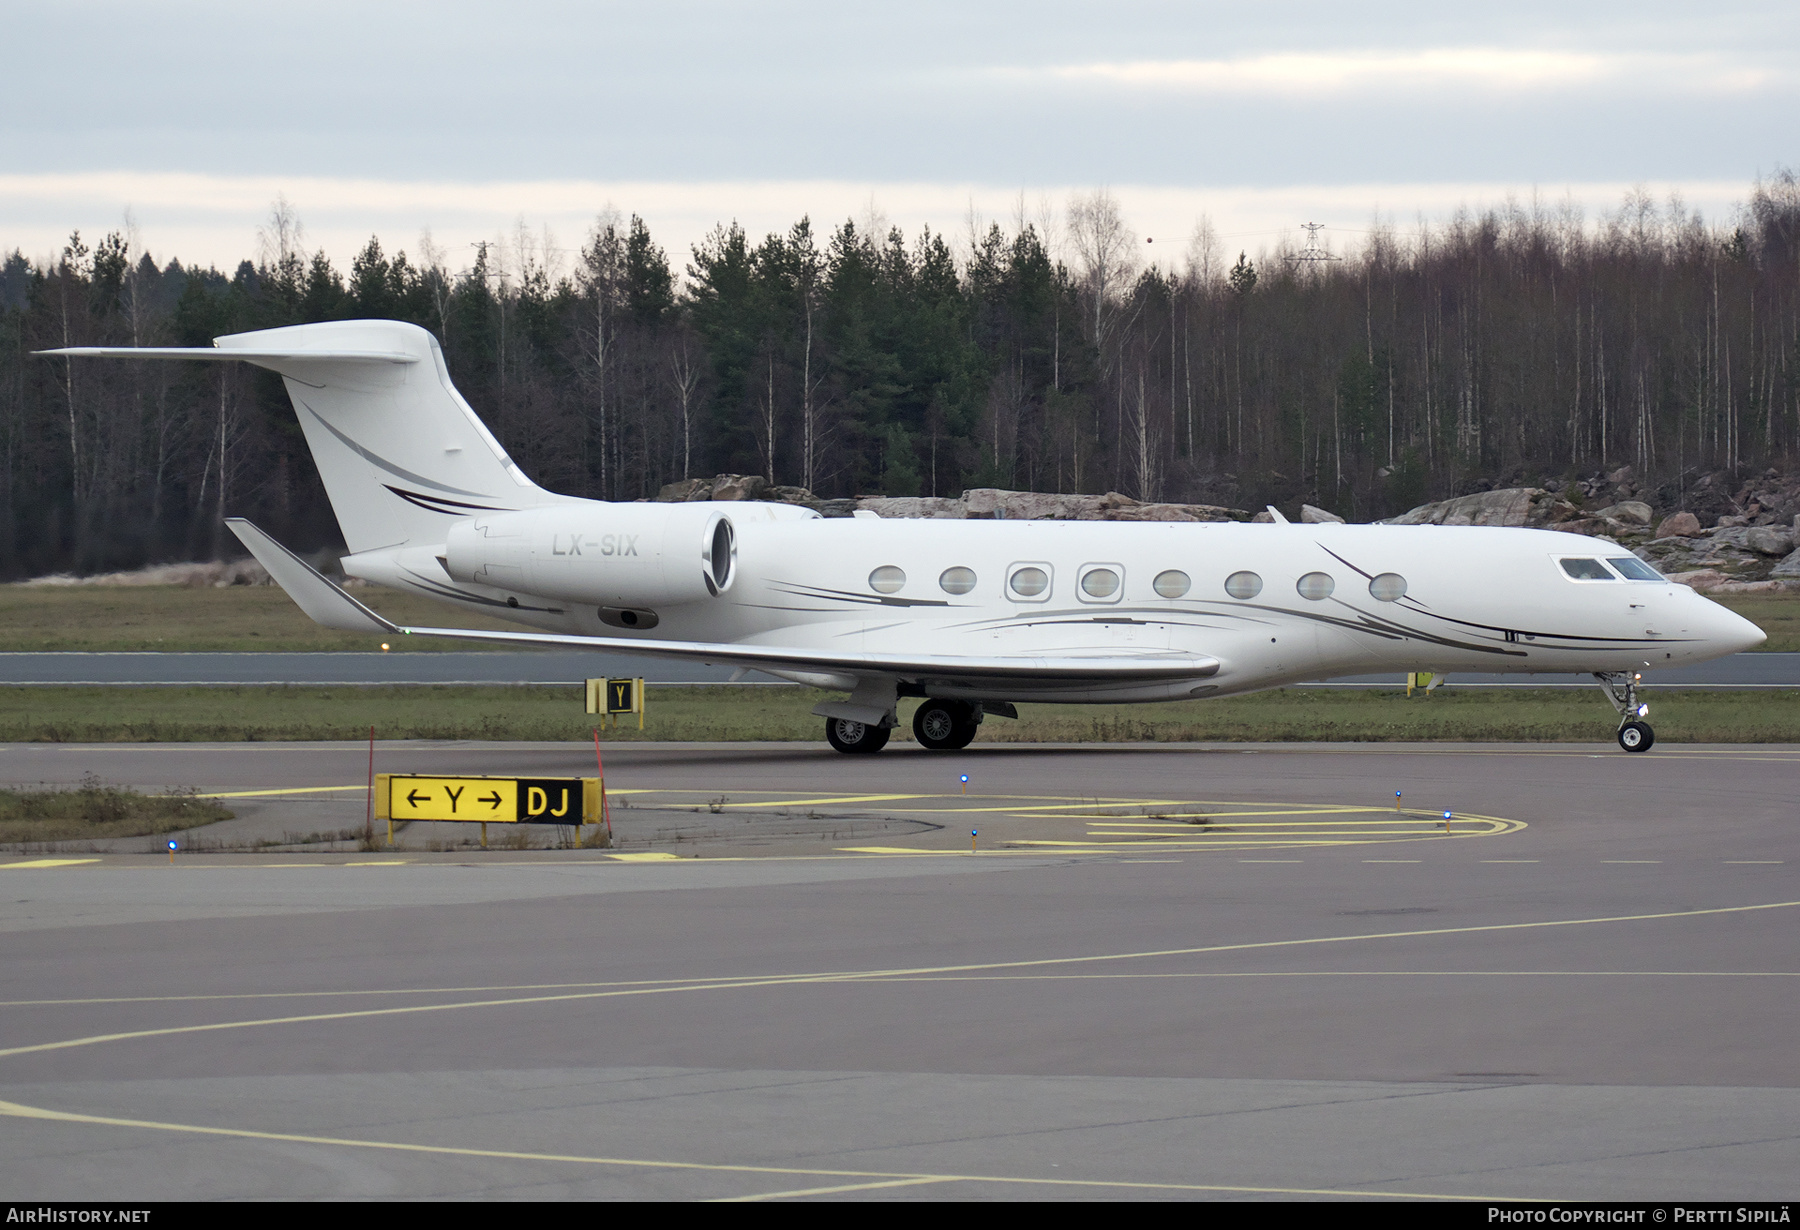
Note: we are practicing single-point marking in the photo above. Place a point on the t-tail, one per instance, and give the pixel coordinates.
(401, 453)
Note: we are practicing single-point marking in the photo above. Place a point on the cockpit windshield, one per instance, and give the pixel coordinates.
(1587, 570)
(1633, 569)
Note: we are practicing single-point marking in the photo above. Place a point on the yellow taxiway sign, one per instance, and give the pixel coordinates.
(490, 800)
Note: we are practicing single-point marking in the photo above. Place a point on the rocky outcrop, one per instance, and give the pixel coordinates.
(739, 487)
(979, 503)
(928, 506)
(1626, 522)
(1310, 515)
(686, 489)
(1678, 525)
(1512, 506)
(1710, 581)
(732, 487)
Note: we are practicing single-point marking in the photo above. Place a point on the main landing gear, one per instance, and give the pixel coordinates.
(1621, 688)
(938, 725)
(946, 725)
(862, 738)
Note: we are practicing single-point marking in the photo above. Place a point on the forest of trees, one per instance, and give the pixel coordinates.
(1504, 346)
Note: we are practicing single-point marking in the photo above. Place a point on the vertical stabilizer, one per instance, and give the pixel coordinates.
(401, 453)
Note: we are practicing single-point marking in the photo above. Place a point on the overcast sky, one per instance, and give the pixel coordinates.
(390, 118)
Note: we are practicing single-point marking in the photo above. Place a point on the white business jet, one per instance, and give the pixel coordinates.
(971, 616)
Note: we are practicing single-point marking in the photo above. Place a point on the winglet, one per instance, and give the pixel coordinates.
(311, 591)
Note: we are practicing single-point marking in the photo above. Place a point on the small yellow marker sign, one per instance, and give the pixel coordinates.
(489, 800)
(611, 697)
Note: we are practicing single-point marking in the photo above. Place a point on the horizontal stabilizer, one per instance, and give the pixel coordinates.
(311, 591)
(233, 353)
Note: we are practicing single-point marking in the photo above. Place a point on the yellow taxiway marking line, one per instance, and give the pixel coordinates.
(844, 977)
(1064, 800)
(1229, 831)
(380, 862)
(1246, 841)
(819, 800)
(895, 850)
(257, 794)
(1389, 818)
(654, 856)
(1273, 811)
(20, 1111)
(1086, 845)
(47, 862)
(1028, 808)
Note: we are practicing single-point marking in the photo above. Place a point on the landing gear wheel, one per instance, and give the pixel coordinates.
(1621, 688)
(855, 737)
(1636, 736)
(944, 725)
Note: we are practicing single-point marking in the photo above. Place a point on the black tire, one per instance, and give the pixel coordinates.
(856, 738)
(965, 733)
(946, 725)
(1636, 736)
(938, 725)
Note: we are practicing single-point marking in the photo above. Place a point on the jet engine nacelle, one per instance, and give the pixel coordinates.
(622, 558)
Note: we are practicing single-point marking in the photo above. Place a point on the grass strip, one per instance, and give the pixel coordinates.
(94, 810)
(725, 714)
(237, 619)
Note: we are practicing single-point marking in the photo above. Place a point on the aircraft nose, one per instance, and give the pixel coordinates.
(1734, 633)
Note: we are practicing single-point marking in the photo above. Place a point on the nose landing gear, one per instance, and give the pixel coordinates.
(1621, 687)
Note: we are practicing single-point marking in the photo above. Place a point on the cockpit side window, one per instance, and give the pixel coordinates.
(1633, 569)
(1586, 570)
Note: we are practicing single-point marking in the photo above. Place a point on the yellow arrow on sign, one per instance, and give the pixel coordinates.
(493, 799)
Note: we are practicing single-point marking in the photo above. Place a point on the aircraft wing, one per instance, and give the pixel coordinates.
(329, 604)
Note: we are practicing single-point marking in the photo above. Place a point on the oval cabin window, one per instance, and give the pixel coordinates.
(1388, 587)
(957, 580)
(1171, 584)
(1243, 585)
(1029, 582)
(1100, 582)
(887, 579)
(1316, 586)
